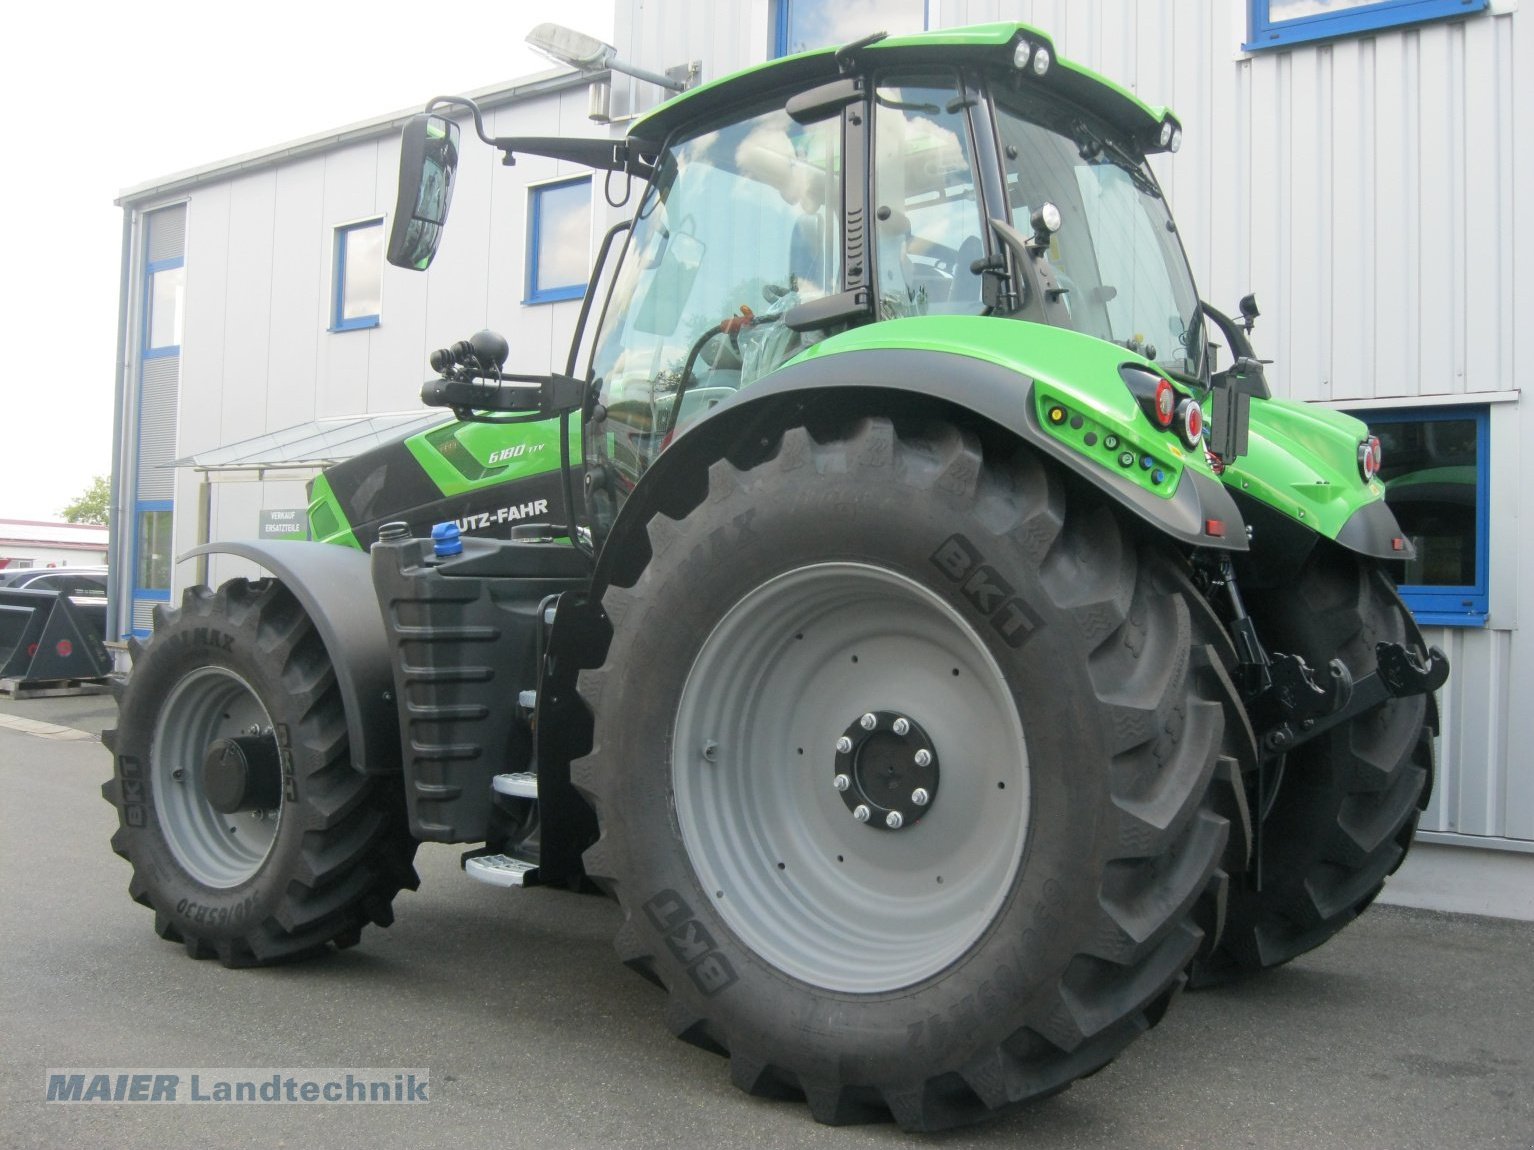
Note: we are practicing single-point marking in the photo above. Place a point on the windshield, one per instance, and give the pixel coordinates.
(1117, 253)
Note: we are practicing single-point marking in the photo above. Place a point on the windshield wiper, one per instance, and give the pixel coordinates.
(907, 105)
(1097, 149)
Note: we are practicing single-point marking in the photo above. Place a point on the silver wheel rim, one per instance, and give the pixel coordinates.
(217, 849)
(823, 898)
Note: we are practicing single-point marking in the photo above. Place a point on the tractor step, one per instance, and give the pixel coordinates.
(501, 870)
(522, 785)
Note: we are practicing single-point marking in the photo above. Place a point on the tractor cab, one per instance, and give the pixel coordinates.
(928, 178)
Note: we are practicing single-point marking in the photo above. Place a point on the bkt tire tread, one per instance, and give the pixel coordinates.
(1164, 725)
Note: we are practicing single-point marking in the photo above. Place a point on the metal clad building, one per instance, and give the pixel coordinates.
(1353, 164)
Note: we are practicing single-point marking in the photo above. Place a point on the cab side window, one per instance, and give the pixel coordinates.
(927, 220)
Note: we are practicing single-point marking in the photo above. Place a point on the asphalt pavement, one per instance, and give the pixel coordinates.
(1411, 1029)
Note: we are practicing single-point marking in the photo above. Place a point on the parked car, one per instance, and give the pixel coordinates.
(86, 581)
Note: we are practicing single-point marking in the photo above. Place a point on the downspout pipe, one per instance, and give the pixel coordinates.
(119, 522)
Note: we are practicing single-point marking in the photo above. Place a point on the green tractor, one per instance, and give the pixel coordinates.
(939, 656)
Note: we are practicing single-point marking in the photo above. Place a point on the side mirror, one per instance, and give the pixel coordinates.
(428, 159)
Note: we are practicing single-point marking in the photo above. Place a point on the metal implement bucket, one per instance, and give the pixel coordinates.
(48, 639)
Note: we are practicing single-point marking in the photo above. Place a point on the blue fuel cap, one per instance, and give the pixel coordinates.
(446, 540)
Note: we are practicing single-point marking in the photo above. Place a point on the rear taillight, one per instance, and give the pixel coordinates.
(1158, 399)
(1190, 422)
(1370, 457)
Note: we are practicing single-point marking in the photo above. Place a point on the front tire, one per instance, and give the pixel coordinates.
(232, 703)
(1021, 925)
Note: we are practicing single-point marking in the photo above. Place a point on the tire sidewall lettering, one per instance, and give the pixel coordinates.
(689, 943)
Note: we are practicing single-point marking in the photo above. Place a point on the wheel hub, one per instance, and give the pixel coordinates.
(242, 773)
(886, 769)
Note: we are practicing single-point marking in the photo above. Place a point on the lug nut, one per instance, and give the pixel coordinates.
(902, 726)
(861, 812)
(710, 750)
(843, 745)
(924, 758)
(841, 782)
(179, 774)
(920, 796)
(893, 820)
(868, 722)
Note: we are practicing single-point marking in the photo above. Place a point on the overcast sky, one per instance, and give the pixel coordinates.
(102, 97)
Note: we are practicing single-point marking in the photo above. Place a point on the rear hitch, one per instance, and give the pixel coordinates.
(1398, 673)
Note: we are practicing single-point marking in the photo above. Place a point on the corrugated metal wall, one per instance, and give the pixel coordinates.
(1366, 190)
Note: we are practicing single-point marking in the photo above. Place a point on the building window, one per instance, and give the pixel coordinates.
(359, 276)
(1279, 22)
(799, 25)
(166, 307)
(1437, 481)
(151, 562)
(558, 240)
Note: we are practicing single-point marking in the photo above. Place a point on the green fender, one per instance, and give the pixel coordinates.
(1302, 461)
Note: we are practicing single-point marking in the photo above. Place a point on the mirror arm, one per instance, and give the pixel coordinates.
(463, 102)
(606, 155)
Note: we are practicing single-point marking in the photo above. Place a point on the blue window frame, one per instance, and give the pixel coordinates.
(798, 25)
(558, 240)
(1437, 475)
(1274, 23)
(358, 289)
(153, 522)
(164, 307)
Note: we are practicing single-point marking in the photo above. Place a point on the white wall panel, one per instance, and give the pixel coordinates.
(202, 341)
(299, 289)
(247, 317)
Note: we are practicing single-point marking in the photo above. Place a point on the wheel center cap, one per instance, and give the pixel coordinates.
(886, 770)
(243, 773)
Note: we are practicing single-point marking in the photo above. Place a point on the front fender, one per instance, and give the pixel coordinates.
(904, 358)
(335, 587)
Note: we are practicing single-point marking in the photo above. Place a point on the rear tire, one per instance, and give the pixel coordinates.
(1343, 818)
(1039, 910)
(326, 849)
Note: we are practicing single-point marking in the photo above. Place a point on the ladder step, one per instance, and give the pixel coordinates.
(522, 785)
(501, 870)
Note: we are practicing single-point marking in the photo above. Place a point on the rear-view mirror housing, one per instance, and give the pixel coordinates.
(428, 162)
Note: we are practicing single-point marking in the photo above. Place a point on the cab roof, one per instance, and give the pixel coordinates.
(981, 45)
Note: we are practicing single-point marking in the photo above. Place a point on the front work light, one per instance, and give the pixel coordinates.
(1025, 54)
